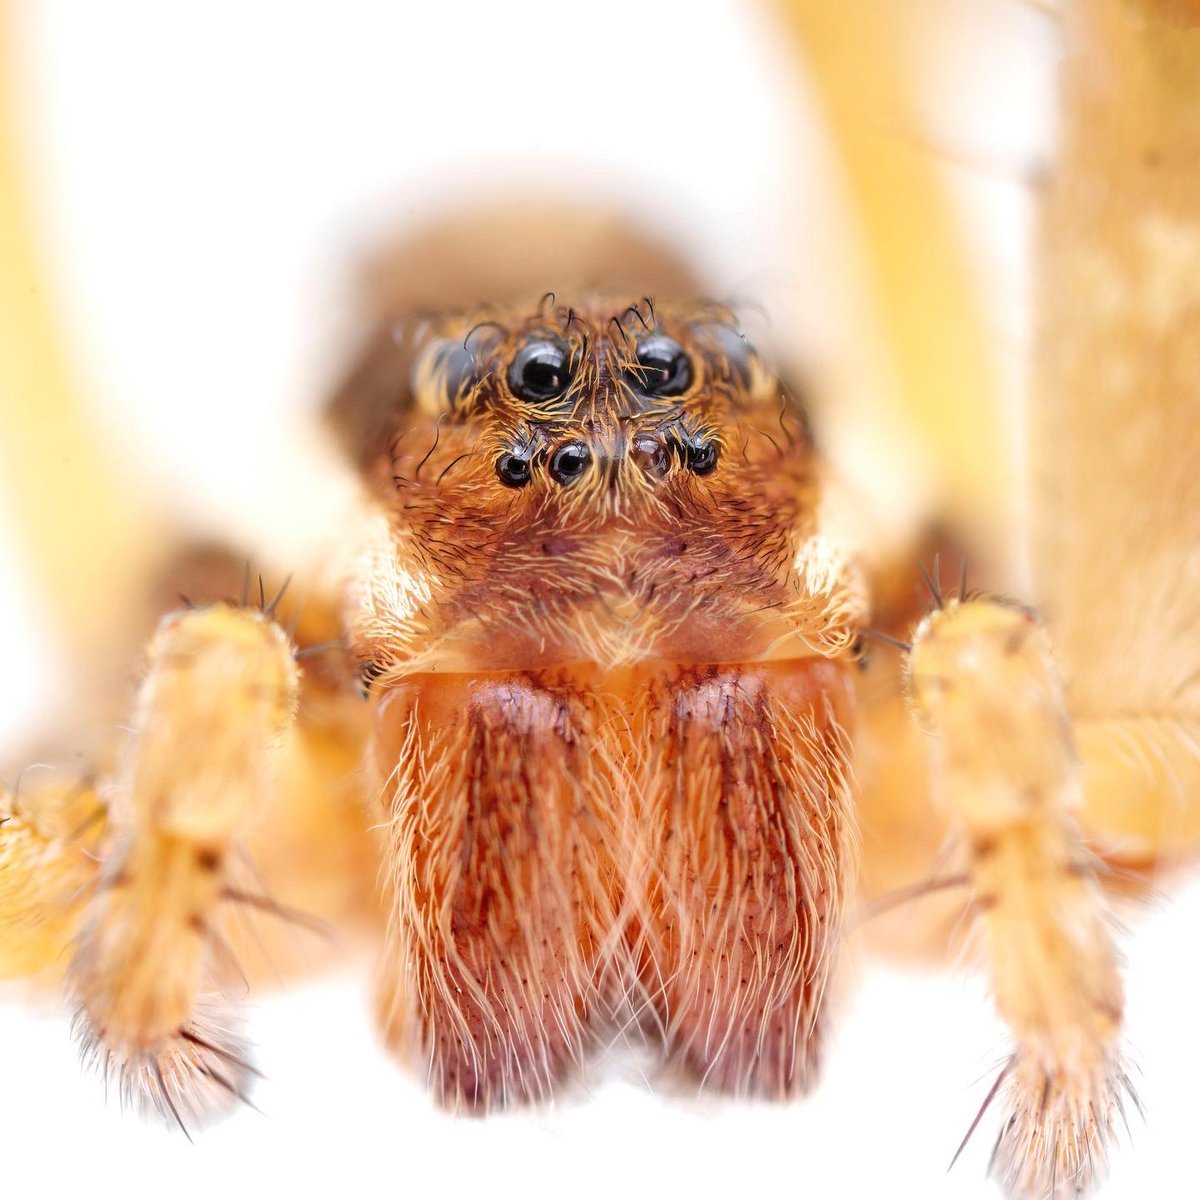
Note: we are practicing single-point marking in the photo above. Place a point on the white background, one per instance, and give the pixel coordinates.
(206, 176)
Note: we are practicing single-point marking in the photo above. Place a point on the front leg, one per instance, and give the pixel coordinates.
(1004, 765)
(217, 700)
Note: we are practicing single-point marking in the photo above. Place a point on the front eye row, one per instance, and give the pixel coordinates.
(567, 464)
(572, 459)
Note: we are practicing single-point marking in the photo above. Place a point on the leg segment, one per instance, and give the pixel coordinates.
(1114, 436)
(747, 855)
(1004, 763)
(49, 838)
(218, 698)
(501, 888)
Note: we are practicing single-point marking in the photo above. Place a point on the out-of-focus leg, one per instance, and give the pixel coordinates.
(218, 698)
(227, 833)
(1115, 440)
(50, 834)
(1005, 769)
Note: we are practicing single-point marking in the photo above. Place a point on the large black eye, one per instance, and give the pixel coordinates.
(569, 462)
(541, 371)
(701, 457)
(663, 369)
(513, 470)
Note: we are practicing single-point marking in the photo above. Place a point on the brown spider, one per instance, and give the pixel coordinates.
(607, 622)
(600, 644)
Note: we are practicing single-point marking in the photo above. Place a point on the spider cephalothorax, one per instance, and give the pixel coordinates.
(549, 469)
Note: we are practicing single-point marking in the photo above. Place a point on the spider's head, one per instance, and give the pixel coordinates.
(578, 413)
(601, 481)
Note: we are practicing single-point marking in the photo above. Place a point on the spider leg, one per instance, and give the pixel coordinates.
(306, 862)
(49, 839)
(1115, 439)
(218, 698)
(1114, 444)
(1004, 767)
(202, 862)
(1033, 775)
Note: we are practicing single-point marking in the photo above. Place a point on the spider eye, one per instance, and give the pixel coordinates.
(663, 367)
(736, 351)
(459, 372)
(513, 471)
(652, 454)
(444, 374)
(701, 457)
(541, 371)
(569, 462)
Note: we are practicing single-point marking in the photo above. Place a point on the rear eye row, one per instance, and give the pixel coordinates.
(542, 370)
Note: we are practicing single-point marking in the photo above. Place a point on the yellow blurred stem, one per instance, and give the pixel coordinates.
(924, 309)
(82, 534)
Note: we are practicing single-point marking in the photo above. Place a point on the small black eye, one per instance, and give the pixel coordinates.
(513, 471)
(651, 454)
(541, 371)
(701, 457)
(569, 462)
(663, 368)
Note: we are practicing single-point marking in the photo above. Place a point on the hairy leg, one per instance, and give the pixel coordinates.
(220, 692)
(999, 810)
(308, 854)
(745, 850)
(1002, 779)
(50, 836)
(501, 887)
(1115, 511)
(1114, 435)
(186, 870)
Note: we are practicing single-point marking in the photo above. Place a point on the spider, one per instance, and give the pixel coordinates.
(620, 705)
